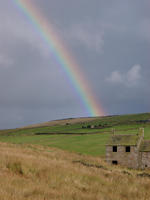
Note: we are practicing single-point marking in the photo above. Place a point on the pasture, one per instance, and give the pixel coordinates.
(76, 136)
(65, 161)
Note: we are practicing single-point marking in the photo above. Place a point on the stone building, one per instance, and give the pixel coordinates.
(129, 150)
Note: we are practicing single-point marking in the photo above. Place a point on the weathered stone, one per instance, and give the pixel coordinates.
(133, 152)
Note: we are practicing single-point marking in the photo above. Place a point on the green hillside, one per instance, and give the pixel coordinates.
(82, 135)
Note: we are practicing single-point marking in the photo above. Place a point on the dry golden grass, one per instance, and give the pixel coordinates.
(42, 173)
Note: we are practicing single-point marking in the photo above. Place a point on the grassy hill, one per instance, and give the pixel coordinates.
(81, 135)
(34, 165)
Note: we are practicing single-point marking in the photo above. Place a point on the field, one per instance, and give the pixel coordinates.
(42, 173)
(76, 135)
(64, 160)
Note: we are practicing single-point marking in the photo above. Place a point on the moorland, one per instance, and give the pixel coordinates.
(65, 160)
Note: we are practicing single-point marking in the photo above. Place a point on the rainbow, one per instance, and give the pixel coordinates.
(56, 46)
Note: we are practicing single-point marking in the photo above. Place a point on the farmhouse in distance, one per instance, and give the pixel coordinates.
(129, 150)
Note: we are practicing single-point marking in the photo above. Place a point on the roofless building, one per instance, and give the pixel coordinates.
(129, 150)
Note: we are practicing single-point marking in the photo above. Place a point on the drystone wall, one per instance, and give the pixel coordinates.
(145, 160)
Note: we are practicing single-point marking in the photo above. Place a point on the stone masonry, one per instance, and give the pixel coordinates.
(129, 150)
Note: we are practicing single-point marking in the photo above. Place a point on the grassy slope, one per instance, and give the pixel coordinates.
(37, 172)
(73, 137)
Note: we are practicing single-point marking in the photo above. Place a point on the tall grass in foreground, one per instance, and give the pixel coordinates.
(42, 173)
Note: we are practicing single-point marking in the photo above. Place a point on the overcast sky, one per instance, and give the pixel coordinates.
(109, 39)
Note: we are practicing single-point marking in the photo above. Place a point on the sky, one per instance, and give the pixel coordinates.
(110, 41)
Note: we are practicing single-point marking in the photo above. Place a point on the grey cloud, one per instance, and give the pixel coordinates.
(134, 75)
(5, 61)
(86, 35)
(115, 77)
(21, 32)
(130, 79)
(144, 29)
(107, 39)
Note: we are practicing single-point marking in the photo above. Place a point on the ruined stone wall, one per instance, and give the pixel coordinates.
(145, 160)
(128, 159)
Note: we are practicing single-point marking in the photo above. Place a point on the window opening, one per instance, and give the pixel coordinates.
(114, 162)
(114, 148)
(128, 149)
